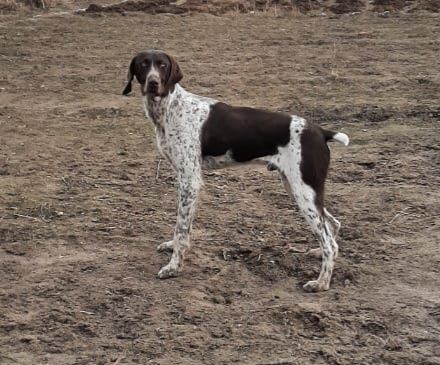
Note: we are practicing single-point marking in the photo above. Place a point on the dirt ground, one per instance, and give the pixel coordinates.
(83, 206)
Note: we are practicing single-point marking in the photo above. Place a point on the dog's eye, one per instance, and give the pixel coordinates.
(144, 64)
(162, 65)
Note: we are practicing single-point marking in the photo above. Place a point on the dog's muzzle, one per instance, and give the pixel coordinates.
(152, 85)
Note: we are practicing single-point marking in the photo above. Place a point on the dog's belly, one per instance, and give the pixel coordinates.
(226, 160)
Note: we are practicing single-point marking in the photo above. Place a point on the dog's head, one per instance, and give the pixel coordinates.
(156, 71)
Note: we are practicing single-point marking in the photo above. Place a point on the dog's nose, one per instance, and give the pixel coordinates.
(152, 86)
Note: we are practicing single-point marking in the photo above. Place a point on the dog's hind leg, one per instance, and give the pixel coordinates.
(336, 225)
(309, 200)
(305, 198)
(314, 252)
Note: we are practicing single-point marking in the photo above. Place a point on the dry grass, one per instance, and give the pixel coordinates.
(6, 5)
(17, 4)
(274, 7)
(12, 5)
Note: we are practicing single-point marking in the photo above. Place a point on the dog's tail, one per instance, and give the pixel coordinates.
(336, 136)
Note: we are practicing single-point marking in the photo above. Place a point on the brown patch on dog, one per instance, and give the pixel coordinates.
(246, 132)
(174, 75)
(315, 160)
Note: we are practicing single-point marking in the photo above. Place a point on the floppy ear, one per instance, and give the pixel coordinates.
(130, 76)
(175, 74)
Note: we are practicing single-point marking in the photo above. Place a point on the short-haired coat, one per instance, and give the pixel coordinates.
(196, 133)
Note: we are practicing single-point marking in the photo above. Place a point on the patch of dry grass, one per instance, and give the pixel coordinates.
(13, 5)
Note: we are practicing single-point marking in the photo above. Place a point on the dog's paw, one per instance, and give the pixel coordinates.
(315, 286)
(314, 252)
(168, 271)
(166, 246)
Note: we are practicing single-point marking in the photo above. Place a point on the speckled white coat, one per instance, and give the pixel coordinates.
(178, 119)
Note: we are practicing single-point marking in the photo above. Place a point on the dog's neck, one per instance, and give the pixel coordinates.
(156, 106)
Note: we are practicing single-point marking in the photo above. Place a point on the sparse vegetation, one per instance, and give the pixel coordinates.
(83, 203)
(294, 7)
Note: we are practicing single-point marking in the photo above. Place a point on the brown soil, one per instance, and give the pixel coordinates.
(82, 207)
(347, 6)
(389, 5)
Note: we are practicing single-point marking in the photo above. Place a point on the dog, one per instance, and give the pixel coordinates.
(196, 133)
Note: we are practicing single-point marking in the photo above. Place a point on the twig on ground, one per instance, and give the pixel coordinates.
(89, 313)
(118, 360)
(158, 168)
(293, 249)
(26, 216)
(112, 183)
(399, 213)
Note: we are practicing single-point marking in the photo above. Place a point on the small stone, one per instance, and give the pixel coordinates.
(218, 299)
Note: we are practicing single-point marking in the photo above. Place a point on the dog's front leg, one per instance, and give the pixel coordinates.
(189, 183)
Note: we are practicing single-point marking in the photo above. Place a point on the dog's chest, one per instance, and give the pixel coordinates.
(162, 143)
(178, 131)
(178, 120)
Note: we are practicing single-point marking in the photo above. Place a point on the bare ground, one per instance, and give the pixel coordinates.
(82, 207)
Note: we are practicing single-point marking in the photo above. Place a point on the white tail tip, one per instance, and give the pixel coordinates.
(342, 138)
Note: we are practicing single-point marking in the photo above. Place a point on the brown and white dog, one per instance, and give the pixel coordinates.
(196, 133)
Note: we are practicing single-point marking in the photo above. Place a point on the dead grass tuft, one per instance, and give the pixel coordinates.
(17, 4)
